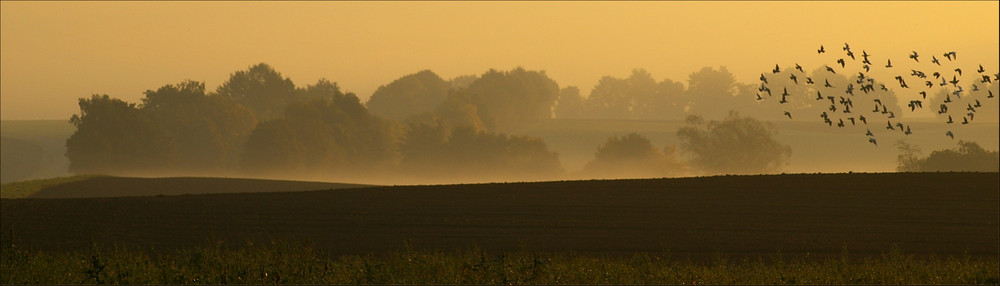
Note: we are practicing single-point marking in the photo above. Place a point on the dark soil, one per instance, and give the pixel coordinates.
(820, 214)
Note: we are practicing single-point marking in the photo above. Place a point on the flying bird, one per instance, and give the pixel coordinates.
(872, 140)
(981, 70)
(889, 64)
(869, 133)
(924, 94)
(798, 67)
(949, 134)
(788, 114)
(935, 60)
(841, 62)
(828, 83)
(829, 69)
(776, 69)
(795, 79)
(763, 78)
(914, 56)
(821, 50)
(959, 70)
(863, 120)
(809, 80)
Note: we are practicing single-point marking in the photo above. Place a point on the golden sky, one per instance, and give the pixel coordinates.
(52, 53)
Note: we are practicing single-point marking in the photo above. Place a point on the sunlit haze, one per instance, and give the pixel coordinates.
(56, 52)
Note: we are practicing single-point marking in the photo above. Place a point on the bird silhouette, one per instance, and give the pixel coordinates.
(847, 47)
(841, 123)
(971, 115)
(944, 109)
(928, 84)
(851, 54)
(872, 140)
(951, 55)
(829, 69)
(819, 96)
(821, 50)
(991, 94)
(827, 83)
(937, 75)
(935, 60)
(975, 87)
(795, 79)
(809, 80)
(959, 71)
(986, 79)
(949, 120)
(965, 120)
(852, 120)
(841, 62)
(789, 114)
(867, 68)
(924, 94)
(907, 132)
(914, 56)
(981, 70)
(949, 134)
(888, 63)
(954, 81)
(869, 133)
(763, 78)
(902, 83)
(889, 125)
(776, 69)
(863, 120)
(798, 67)
(978, 104)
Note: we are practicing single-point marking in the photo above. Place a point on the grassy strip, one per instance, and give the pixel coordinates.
(296, 264)
(24, 189)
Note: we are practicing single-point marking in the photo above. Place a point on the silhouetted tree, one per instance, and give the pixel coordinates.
(113, 136)
(513, 98)
(437, 151)
(712, 92)
(336, 135)
(206, 132)
(463, 81)
(570, 104)
(909, 157)
(412, 94)
(736, 145)
(633, 156)
(967, 157)
(261, 89)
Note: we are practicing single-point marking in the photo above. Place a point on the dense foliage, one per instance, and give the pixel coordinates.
(735, 145)
(966, 157)
(633, 155)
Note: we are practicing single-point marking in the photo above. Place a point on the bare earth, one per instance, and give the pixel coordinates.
(820, 214)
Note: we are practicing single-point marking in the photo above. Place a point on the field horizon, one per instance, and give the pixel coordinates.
(816, 214)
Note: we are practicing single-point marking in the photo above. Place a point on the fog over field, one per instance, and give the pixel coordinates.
(455, 92)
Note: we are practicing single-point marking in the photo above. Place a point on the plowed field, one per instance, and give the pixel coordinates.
(820, 214)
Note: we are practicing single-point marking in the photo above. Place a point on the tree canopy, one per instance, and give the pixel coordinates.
(735, 145)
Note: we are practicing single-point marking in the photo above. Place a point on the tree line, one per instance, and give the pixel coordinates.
(259, 122)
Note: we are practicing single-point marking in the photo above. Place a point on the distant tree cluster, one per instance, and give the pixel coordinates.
(634, 156)
(259, 123)
(967, 157)
(735, 145)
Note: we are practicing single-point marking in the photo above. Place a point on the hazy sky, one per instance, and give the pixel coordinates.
(52, 53)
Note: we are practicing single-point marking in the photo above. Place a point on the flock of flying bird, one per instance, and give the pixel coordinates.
(842, 92)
